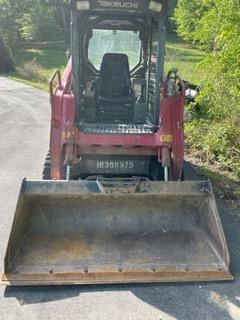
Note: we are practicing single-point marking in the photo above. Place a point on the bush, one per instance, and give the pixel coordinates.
(214, 26)
(6, 60)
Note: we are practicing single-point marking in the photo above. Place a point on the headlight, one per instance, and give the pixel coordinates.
(155, 6)
(83, 5)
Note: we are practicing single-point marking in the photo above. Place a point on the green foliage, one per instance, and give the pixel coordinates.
(171, 27)
(35, 20)
(6, 59)
(183, 56)
(8, 25)
(187, 15)
(35, 66)
(214, 26)
(38, 23)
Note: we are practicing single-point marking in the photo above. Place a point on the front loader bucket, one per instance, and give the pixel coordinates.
(82, 232)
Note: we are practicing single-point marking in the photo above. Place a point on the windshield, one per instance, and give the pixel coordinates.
(114, 41)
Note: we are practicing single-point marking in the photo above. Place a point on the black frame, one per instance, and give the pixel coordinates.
(143, 21)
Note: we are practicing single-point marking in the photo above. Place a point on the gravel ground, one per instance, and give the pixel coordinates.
(24, 135)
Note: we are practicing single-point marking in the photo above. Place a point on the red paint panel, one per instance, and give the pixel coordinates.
(64, 131)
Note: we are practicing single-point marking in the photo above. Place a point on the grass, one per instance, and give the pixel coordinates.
(226, 185)
(35, 66)
(185, 57)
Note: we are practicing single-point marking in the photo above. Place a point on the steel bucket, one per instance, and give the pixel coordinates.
(83, 232)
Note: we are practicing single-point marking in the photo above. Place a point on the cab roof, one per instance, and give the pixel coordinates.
(156, 8)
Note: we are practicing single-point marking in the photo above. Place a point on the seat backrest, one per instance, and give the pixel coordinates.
(114, 78)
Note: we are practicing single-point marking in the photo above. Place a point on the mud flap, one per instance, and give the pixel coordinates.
(83, 232)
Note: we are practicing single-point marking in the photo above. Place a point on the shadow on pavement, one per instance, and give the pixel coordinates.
(181, 301)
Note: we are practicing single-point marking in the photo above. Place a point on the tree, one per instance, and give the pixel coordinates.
(6, 59)
(8, 16)
(38, 22)
(171, 26)
(35, 20)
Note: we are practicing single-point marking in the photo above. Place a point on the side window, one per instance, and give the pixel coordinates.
(114, 41)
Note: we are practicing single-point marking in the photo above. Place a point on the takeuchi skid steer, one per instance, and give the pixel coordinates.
(114, 207)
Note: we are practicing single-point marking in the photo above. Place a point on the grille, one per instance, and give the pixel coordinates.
(117, 128)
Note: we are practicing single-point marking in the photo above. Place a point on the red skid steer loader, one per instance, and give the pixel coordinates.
(112, 206)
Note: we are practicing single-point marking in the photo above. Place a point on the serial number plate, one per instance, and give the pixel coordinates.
(122, 166)
(116, 164)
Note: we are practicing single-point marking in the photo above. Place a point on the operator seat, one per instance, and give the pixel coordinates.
(114, 94)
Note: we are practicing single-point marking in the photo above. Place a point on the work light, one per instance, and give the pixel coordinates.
(155, 6)
(83, 5)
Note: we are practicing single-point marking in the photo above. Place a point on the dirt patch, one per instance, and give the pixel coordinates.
(31, 70)
(225, 184)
